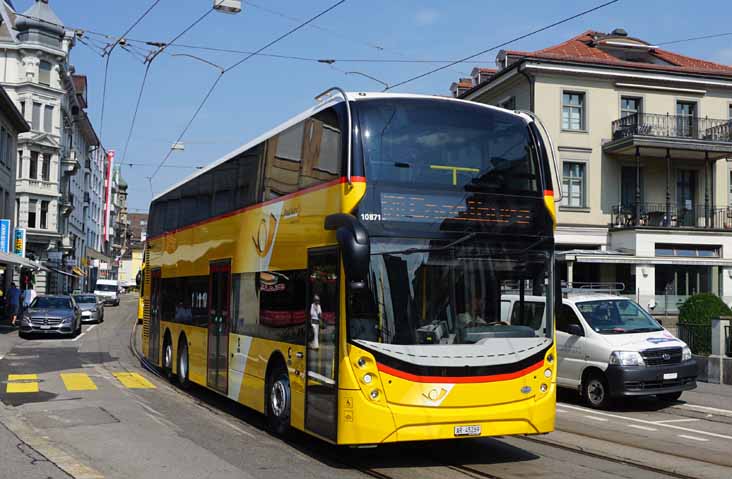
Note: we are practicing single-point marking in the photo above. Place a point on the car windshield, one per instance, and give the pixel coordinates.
(85, 298)
(422, 292)
(106, 287)
(617, 316)
(46, 302)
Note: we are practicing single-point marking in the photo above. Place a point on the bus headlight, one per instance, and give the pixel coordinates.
(367, 378)
(543, 388)
(361, 362)
(547, 373)
(550, 359)
(374, 394)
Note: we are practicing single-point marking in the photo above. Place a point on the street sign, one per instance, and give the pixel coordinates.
(19, 242)
(5, 236)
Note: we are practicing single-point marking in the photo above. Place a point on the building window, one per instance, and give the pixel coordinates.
(20, 163)
(32, 213)
(509, 104)
(630, 106)
(2, 145)
(686, 120)
(48, 119)
(17, 210)
(573, 111)
(687, 251)
(34, 165)
(36, 118)
(22, 108)
(44, 73)
(46, 168)
(573, 182)
(44, 215)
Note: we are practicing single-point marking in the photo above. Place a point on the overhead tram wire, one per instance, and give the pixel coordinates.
(148, 63)
(515, 39)
(108, 55)
(226, 70)
(693, 39)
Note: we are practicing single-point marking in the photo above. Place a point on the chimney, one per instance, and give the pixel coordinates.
(461, 86)
(620, 32)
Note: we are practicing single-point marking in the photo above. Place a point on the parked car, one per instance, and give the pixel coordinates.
(610, 347)
(51, 314)
(92, 308)
(108, 291)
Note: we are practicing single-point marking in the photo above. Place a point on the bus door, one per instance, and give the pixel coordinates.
(154, 327)
(321, 392)
(219, 318)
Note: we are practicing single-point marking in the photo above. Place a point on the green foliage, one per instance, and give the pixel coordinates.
(702, 308)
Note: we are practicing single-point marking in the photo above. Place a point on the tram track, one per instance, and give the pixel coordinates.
(463, 470)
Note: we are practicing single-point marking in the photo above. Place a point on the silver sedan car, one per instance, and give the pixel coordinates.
(92, 309)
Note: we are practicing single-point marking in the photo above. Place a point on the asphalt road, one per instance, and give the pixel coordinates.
(84, 408)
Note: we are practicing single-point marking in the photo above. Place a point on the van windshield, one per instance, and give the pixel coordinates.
(106, 287)
(617, 317)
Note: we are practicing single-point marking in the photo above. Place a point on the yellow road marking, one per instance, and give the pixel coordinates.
(134, 381)
(28, 383)
(78, 382)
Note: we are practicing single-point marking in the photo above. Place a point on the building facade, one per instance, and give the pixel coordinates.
(641, 138)
(12, 124)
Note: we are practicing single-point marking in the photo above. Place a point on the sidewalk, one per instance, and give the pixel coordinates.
(8, 337)
(20, 461)
(710, 395)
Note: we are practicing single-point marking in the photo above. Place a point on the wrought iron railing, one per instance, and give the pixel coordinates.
(671, 216)
(672, 126)
(697, 336)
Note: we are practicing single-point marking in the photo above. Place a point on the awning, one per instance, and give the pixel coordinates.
(14, 259)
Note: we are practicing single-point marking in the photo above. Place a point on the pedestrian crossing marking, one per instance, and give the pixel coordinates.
(78, 382)
(22, 383)
(134, 381)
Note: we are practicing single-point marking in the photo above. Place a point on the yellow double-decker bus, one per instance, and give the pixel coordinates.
(348, 273)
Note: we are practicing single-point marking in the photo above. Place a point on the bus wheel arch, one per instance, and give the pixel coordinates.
(183, 362)
(277, 395)
(594, 388)
(167, 359)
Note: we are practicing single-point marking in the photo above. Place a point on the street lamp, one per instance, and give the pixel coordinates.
(227, 6)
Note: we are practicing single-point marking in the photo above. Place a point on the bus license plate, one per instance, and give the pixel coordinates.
(467, 430)
(670, 375)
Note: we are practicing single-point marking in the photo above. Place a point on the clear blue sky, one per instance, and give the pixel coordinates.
(265, 91)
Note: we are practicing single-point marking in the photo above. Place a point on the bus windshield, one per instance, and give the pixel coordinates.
(422, 292)
(451, 146)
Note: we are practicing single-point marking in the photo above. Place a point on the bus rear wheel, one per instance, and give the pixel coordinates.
(167, 358)
(278, 402)
(183, 364)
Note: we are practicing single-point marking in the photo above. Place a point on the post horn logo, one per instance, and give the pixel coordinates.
(265, 235)
(436, 394)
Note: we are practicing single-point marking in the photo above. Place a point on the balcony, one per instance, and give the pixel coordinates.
(671, 216)
(70, 162)
(652, 134)
(66, 206)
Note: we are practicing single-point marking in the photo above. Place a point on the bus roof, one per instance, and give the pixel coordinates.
(330, 101)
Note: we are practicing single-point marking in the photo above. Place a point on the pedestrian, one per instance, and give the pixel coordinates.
(316, 313)
(14, 302)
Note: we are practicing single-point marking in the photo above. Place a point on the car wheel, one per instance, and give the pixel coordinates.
(595, 391)
(183, 364)
(278, 402)
(168, 359)
(670, 397)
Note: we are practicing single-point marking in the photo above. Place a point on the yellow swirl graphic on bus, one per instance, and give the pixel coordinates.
(265, 235)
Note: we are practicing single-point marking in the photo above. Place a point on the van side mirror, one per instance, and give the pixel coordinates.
(355, 245)
(575, 330)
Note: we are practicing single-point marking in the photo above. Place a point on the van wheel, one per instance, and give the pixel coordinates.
(670, 397)
(168, 359)
(595, 391)
(183, 364)
(278, 402)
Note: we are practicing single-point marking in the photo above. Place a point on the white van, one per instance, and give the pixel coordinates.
(609, 347)
(108, 291)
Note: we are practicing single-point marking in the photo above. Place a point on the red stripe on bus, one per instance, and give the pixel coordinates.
(354, 179)
(458, 379)
(548, 193)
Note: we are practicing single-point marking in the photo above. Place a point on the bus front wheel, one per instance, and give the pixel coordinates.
(278, 402)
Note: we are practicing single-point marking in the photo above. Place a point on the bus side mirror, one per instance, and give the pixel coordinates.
(355, 246)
